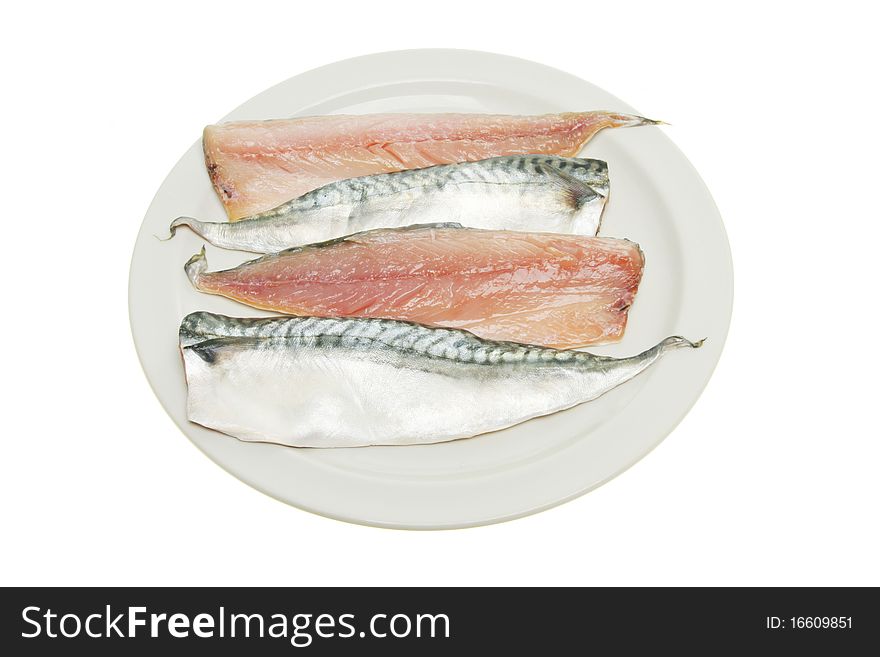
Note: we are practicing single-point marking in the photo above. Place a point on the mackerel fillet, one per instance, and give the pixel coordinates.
(519, 192)
(257, 165)
(319, 382)
(538, 288)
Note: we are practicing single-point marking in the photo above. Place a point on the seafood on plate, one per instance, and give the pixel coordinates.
(519, 192)
(330, 382)
(257, 165)
(537, 288)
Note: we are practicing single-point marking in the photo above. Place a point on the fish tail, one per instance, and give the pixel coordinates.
(655, 353)
(678, 342)
(575, 192)
(189, 222)
(632, 120)
(196, 266)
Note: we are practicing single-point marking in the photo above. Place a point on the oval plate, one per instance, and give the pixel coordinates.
(658, 200)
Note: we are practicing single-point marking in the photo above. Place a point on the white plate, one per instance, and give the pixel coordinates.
(657, 200)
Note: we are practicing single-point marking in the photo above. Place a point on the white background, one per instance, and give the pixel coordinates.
(771, 479)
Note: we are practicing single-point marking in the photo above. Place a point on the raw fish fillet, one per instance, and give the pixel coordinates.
(538, 288)
(258, 165)
(517, 192)
(312, 382)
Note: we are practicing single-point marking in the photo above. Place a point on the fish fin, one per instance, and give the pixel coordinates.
(575, 192)
(206, 352)
(196, 266)
(210, 348)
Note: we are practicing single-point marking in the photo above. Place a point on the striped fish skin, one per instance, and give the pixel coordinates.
(541, 288)
(257, 165)
(329, 382)
(525, 193)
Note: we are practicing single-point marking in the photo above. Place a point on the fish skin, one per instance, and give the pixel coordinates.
(540, 288)
(257, 165)
(530, 193)
(330, 382)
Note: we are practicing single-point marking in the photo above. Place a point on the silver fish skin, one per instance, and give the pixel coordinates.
(318, 382)
(523, 193)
